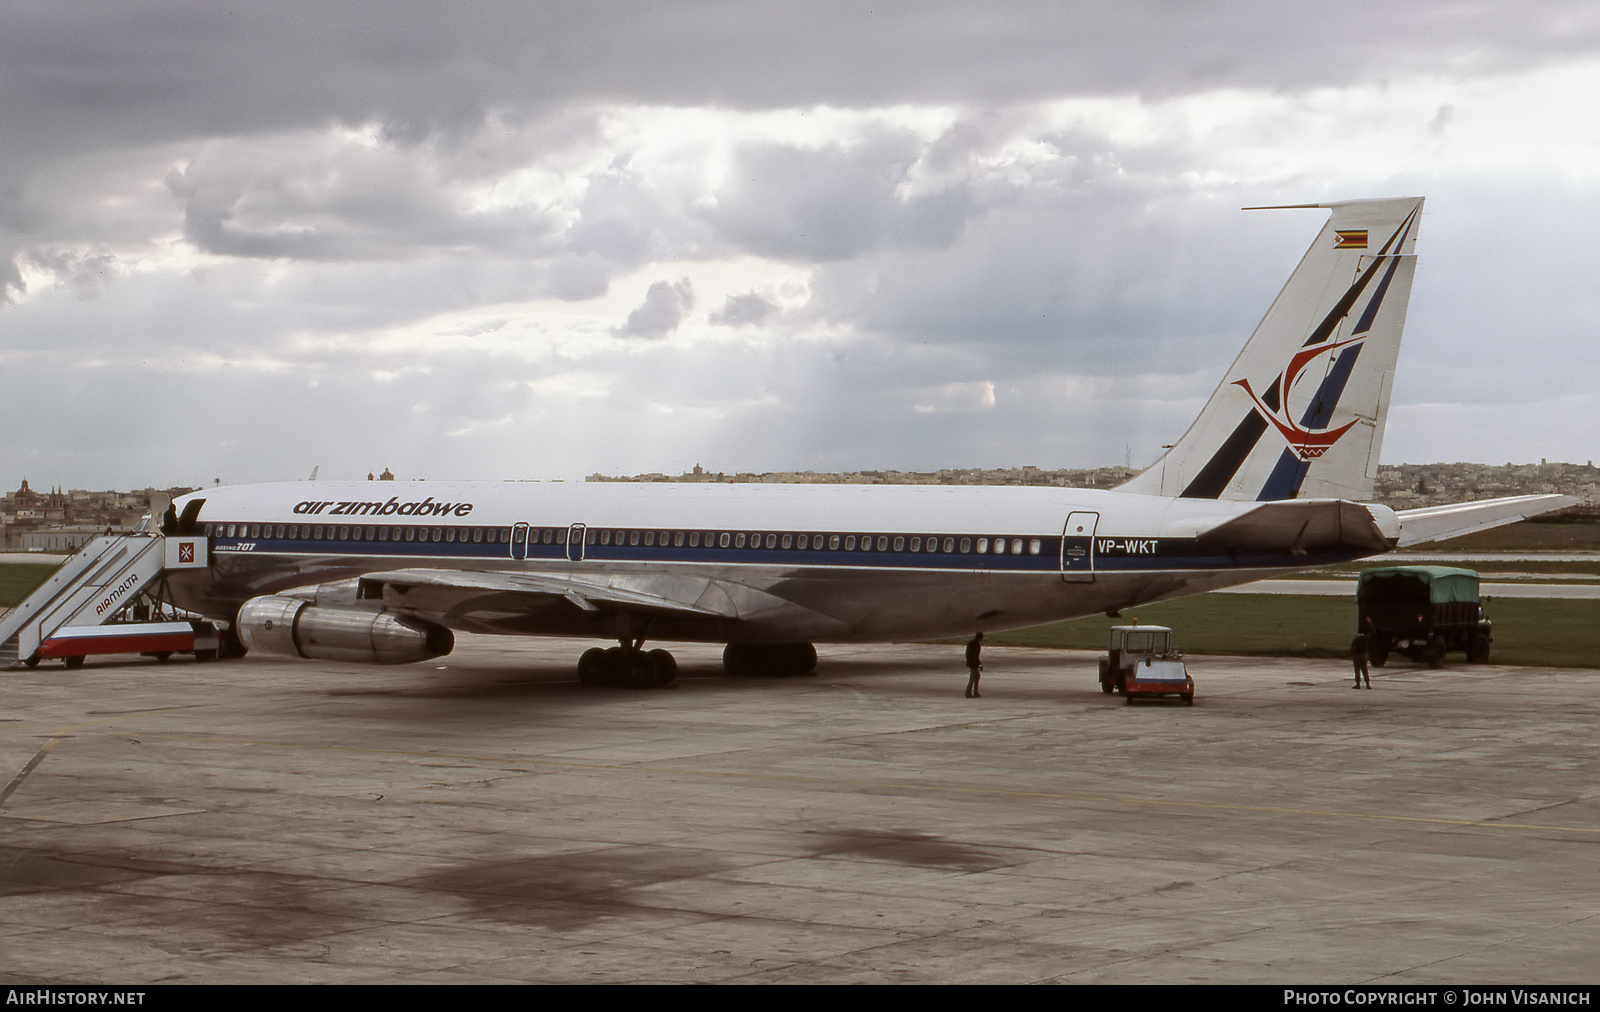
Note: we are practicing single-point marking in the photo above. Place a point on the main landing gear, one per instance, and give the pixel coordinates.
(772, 659)
(628, 667)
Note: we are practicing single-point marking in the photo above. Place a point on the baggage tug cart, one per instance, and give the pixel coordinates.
(1140, 664)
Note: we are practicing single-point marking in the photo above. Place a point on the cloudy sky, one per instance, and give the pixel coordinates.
(537, 240)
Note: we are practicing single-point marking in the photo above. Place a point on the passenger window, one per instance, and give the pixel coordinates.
(633, 537)
(850, 543)
(677, 540)
(1016, 546)
(772, 541)
(383, 534)
(966, 544)
(650, 538)
(605, 537)
(661, 538)
(437, 533)
(916, 544)
(883, 543)
(294, 532)
(788, 540)
(1033, 547)
(722, 542)
(983, 545)
(899, 544)
(833, 542)
(411, 534)
(738, 542)
(561, 536)
(694, 539)
(230, 529)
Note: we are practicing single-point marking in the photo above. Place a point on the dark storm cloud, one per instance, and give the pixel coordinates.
(834, 203)
(944, 232)
(137, 71)
(663, 309)
(743, 309)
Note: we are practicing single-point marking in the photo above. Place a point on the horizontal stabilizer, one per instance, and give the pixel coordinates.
(1436, 523)
(1303, 525)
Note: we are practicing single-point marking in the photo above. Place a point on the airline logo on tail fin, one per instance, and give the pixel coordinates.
(1313, 435)
(1307, 443)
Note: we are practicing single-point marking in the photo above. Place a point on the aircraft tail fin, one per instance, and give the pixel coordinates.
(1300, 413)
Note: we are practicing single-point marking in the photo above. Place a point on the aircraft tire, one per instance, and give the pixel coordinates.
(592, 667)
(635, 669)
(74, 662)
(778, 660)
(666, 668)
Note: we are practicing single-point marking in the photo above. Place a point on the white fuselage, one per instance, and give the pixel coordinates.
(749, 562)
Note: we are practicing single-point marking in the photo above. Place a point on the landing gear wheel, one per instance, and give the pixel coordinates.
(592, 667)
(666, 668)
(627, 669)
(74, 662)
(203, 656)
(635, 670)
(777, 660)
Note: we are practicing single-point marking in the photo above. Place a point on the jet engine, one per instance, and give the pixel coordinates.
(290, 627)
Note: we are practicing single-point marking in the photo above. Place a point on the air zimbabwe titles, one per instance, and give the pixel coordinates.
(394, 507)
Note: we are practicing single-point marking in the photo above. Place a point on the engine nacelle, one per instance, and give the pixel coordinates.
(291, 627)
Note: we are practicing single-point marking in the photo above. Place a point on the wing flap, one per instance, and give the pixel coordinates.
(650, 593)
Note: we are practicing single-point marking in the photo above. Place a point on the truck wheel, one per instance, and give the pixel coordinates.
(1436, 651)
(32, 662)
(1478, 649)
(1378, 654)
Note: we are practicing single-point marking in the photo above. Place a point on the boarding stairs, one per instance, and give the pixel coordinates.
(93, 587)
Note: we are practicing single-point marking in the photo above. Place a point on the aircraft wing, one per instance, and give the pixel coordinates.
(469, 597)
(1300, 525)
(1435, 523)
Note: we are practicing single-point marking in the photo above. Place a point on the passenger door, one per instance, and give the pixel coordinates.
(1077, 547)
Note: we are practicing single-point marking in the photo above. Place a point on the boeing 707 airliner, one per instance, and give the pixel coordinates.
(1271, 478)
